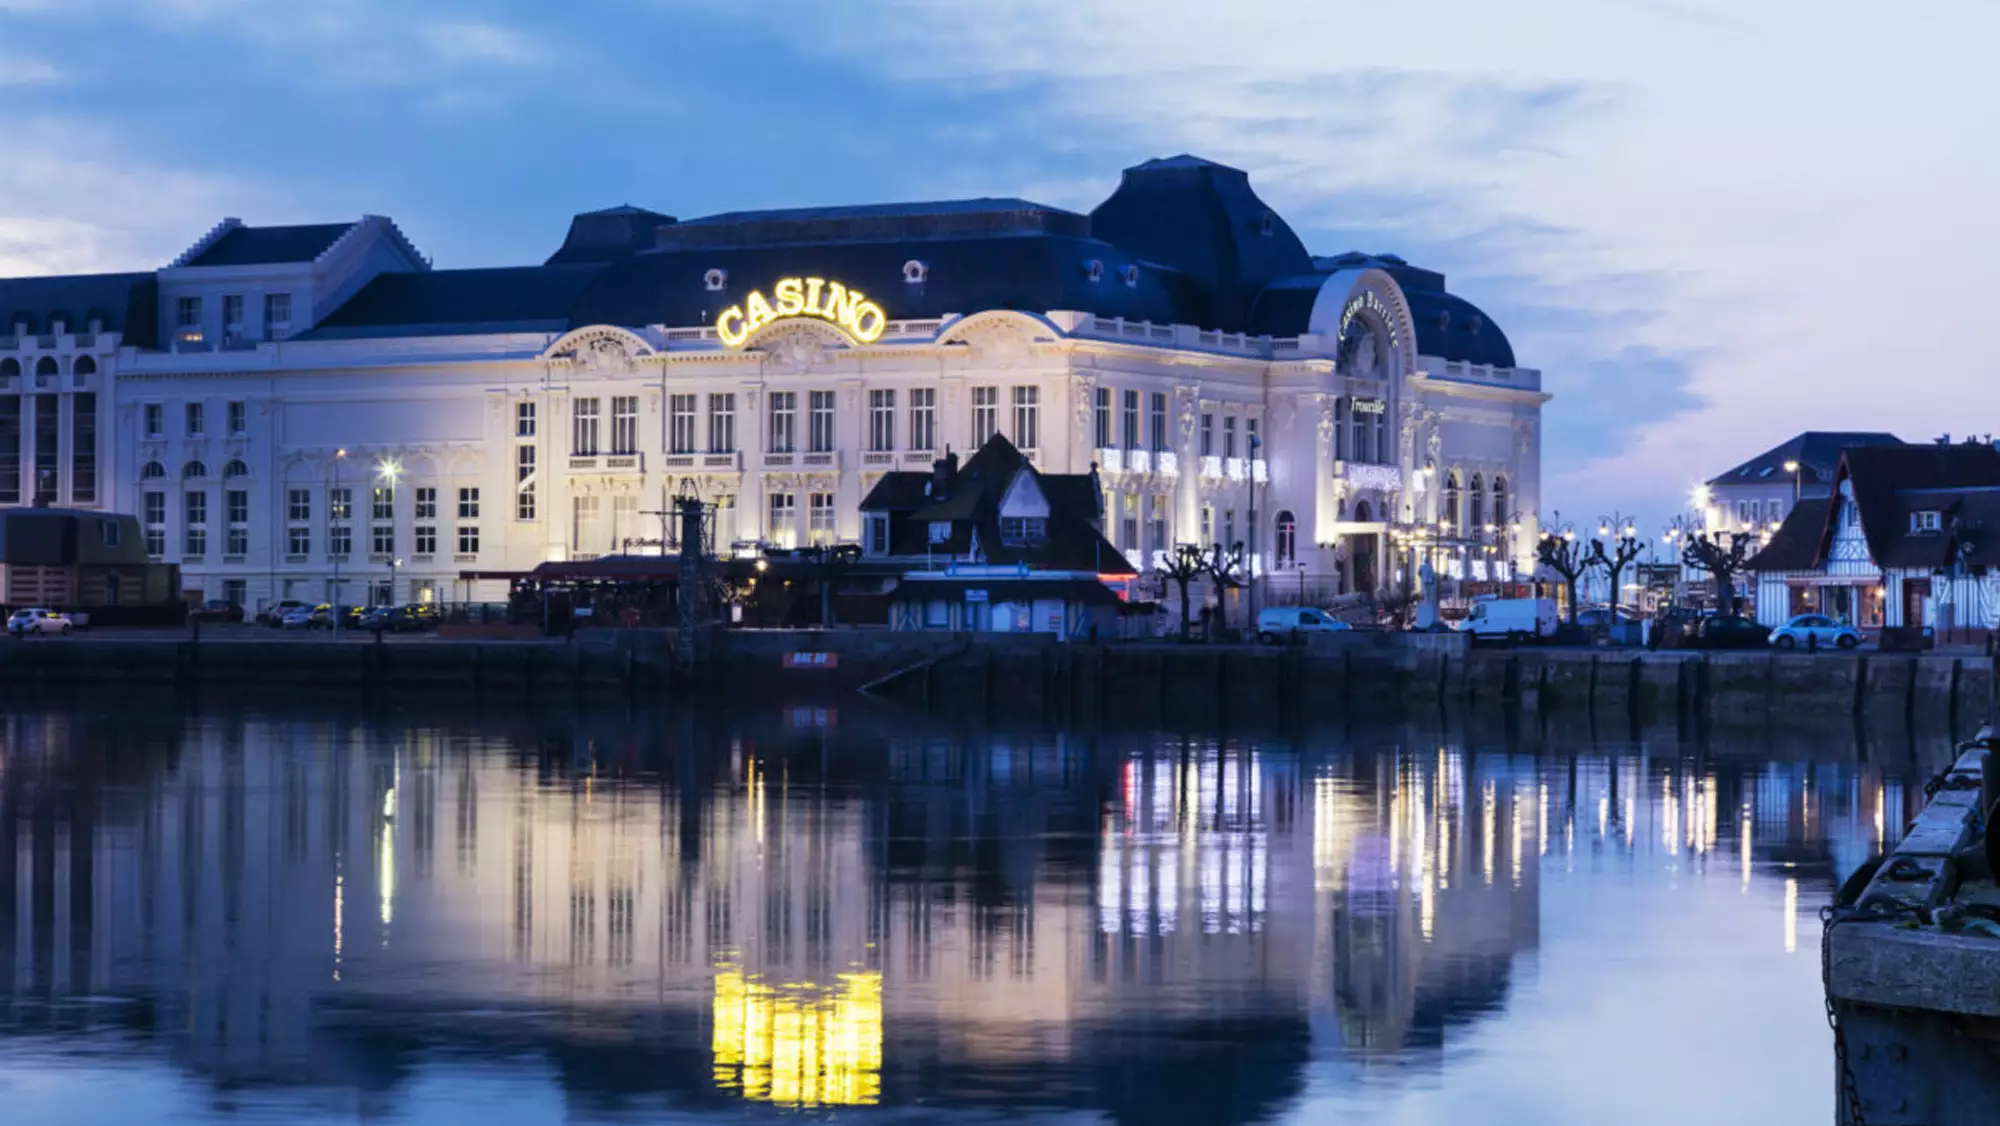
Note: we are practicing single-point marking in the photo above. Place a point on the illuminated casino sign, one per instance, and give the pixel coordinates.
(1366, 301)
(847, 309)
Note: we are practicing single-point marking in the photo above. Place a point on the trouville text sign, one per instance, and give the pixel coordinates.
(848, 309)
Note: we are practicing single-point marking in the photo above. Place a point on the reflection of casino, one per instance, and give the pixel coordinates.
(975, 920)
(286, 407)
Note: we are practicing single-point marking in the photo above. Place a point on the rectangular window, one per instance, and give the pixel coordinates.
(468, 503)
(784, 422)
(1250, 440)
(1027, 418)
(1159, 416)
(46, 464)
(821, 403)
(468, 539)
(1229, 435)
(1129, 420)
(1157, 541)
(238, 503)
(1023, 531)
(625, 518)
(277, 309)
(10, 449)
(1340, 445)
(524, 420)
(236, 508)
(1103, 418)
(298, 540)
(239, 541)
(340, 540)
(583, 430)
(583, 513)
(383, 541)
(194, 541)
(156, 420)
(1207, 525)
(878, 535)
(196, 420)
(1207, 435)
(426, 542)
(1128, 524)
(340, 503)
(1228, 528)
(156, 523)
(232, 310)
(239, 418)
(426, 503)
(384, 507)
(298, 505)
(109, 530)
(1364, 429)
(822, 515)
(882, 420)
(985, 413)
(236, 592)
(784, 515)
(923, 418)
(82, 447)
(680, 424)
(187, 312)
(625, 424)
(524, 482)
(722, 424)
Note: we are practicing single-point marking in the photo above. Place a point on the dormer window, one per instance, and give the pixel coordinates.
(1093, 269)
(1130, 275)
(716, 280)
(1927, 522)
(915, 271)
(1024, 531)
(1267, 225)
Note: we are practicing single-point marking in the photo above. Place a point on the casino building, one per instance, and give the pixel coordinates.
(314, 411)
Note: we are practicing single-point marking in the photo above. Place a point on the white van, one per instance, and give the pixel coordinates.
(1276, 623)
(1512, 619)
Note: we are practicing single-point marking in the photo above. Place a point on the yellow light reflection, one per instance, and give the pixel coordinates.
(799, 1045)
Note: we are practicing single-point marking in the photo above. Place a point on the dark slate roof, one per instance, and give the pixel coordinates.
(123, 303)
(453, 302)
(260, 246)
(1883, 480)
(1816, 451)
(1799, 542)
(1203, 219)
(1088, 591)
(608, 235)
(1448, 326)
(1026, 271)
(900, 222)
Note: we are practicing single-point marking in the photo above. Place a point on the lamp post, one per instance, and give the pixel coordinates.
(339, 456)
(1792, 467)
(388, 471)
(1255, 442)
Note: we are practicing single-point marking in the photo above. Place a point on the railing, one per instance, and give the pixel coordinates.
(777, 459)
(1169, 464)
(919, 457)
(583, 463)
(1138, 461)
(1232, 468)
(1211, 466)
(466, 557)
(823, 458)
(1111, 461)
(1260, 471)
(878, 457)
(676, 461)
(629, 463)
(722, 461)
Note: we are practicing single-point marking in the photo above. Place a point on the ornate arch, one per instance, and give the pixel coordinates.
(1031, 325)
(598, 349)
(1373, 300)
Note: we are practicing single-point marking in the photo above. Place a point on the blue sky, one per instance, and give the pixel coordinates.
(1711, 224)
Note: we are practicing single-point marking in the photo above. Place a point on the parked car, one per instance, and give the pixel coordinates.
(274, 614)
(216, 610)
(323, 616)
(1599, 616)
(1276, 623)
(1511, 619)
(32, 620)
(299, 617)
(1809, 630)
(1732, 631)
(398, 619)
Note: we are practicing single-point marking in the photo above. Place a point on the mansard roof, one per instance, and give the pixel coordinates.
(1816, 451)
(121, 303)
(460, 302)
(264, 246)
(1890, 482)
(1448, 326)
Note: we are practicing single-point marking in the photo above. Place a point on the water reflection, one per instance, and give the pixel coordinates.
(644, 913)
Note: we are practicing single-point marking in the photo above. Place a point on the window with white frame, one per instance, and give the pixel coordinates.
(1129, 420)
(1229, 435)
(1128, 522)
(985, 413)
(194, 524)
(187, 312)
(524, 420)
(239, 418)
(625, 424)
(783, 527)
(232, 311)
(384, 502)
(424, 540)
(1159, 422)
(584, 512)
(468, 503)
(923, 418)
(1103, 413)
(822, 422)
(1158, 540)
(878, 534)
(468, 539)
(196, 420)
(340, 541)
(784, 422)
(882, 419)
(155, 420)
(1027, 418)
(383, 540)
(722, 424)
(524, 482)
(821, 514)
(298, 539)
(1927, 522)
(155, 508)
(426, 503)
(236, 506)
(680, 424)
(1228, 528)
(1207, 434)
(583, 428)
(1023, 531)
(277, 309)
(625, 517)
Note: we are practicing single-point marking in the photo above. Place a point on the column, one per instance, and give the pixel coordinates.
(752, 436)
(1187, 489)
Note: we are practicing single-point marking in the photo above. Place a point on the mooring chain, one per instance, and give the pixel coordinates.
(1876, 910)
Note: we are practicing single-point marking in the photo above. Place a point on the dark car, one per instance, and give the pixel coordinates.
(1731, 631)
(399, 619)
(216, 610)
(323, 615)
(274, 614)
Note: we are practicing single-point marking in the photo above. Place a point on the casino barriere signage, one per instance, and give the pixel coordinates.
(847, 309)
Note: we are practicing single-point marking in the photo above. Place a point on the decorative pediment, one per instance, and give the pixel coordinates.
(600, 350)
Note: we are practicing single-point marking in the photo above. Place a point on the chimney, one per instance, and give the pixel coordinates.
(944, 471)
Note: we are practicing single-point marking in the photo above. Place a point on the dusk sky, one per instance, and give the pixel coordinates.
(1710, 224)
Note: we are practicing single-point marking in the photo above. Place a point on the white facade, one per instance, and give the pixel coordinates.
(492, 452)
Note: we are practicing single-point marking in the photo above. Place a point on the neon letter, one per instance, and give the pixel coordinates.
(760, 313)
(731, 337)
(790, 299)
(869, 321)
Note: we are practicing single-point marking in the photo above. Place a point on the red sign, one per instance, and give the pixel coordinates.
(812, 660)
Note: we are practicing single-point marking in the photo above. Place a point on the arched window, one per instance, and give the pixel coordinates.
(84, 365)
(194, 469)
(1475, 517)
(1500, 502)
(1454, 486)
(1288, 531)
(45, 366)
(236, 469)
(153, 470)
(9, 367)
(1362, 513)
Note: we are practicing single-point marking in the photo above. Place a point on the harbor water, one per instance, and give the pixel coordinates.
(591, 914)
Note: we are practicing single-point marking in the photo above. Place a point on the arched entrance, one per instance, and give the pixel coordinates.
(1361, 551)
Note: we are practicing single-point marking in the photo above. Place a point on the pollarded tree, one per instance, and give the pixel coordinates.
(1626, 548)
(1724, 562)
(1184, 566)
(1225, 570)
(1563, 555)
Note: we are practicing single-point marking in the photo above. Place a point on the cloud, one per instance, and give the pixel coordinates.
(471, 43)
(18, 71)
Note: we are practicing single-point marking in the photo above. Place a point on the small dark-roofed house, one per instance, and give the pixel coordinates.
(1909, 538)
(61, 557)
(1756, 494)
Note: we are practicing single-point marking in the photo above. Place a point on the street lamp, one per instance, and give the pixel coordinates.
(339, 456)
(1792, 467)
(1255, 442)
(387, 471)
